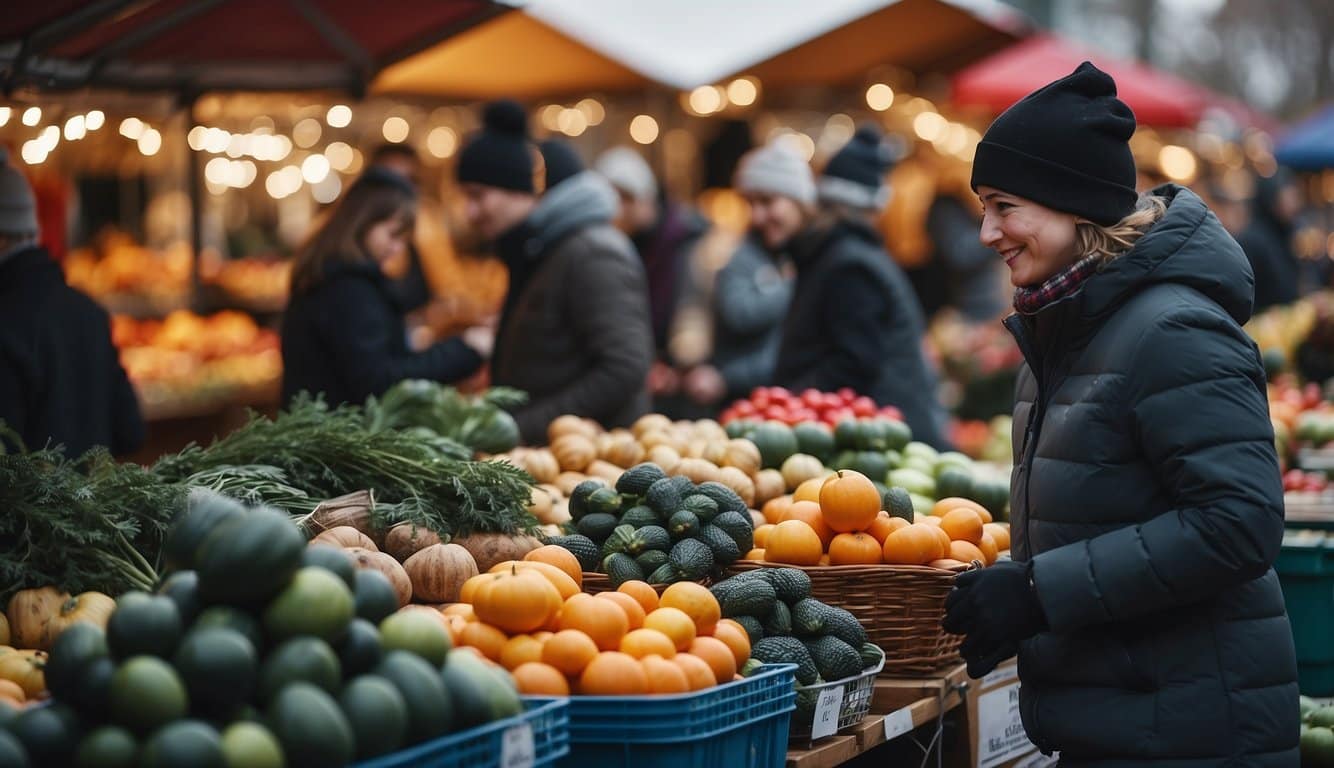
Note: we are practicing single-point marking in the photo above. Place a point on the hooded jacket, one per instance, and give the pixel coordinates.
(1146, 493)
(574, 332)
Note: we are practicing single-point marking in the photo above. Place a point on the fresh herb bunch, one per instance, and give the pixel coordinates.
(85, 524)
(480, 422)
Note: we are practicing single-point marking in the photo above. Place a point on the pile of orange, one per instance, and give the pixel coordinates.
(837, 520)
(626, 642)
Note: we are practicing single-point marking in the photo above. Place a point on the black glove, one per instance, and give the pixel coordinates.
(997, 608)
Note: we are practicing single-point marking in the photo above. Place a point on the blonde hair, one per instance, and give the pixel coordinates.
(1107, 243)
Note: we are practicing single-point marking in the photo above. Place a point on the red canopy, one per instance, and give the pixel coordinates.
(1158, 99)
(200, 45)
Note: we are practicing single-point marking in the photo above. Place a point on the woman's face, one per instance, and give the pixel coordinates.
(1035, 241)
(775, 218)
(387, 241)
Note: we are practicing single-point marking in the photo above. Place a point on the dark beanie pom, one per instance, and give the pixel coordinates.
(505, 116)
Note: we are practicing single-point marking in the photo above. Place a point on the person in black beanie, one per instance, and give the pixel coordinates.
(574, 329)
(1147, 507)
(561, 161)
(854, 320)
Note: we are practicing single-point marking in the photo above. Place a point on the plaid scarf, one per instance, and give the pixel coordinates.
(1027, 301)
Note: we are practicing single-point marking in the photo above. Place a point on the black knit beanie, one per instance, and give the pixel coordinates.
(855, 175)
(1065, 146)
(500, 154)
(561, 159)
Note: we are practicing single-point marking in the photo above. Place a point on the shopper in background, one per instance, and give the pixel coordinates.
(854, 321)
(61, 381)
(1147, 503)
(344, 334)
(407, 277)
(1268, 240)
(560, 160)
(574, 331)
(972, 279)
(752, 293)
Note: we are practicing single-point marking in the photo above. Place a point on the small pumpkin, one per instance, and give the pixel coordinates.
(649, 423)
(656, 437)
(407, 539)
(622, 449)
(574, 452)
(29, 610)
(26, 668)
(346, 537)
(742, 454)
(562, 558)
(698, 470)
(769, 485)
(849, 501)
(800, 467)
(570, 424)
(387, 565)
(566, 482)
(565, 586)
(709, 430)
(715, 451)
(515, 601)
(488, 549)
(542, 465)
(91, 607)
(605, 470)
(439, 571)
(739, 481)
(666, 457)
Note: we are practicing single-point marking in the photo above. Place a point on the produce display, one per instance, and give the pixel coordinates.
(126, 276)
(979, 361)
(811, 405)
(1317, 734)
(988, 441)
(479, 422)
(257, 650)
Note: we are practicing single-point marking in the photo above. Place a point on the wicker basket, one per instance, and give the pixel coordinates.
(601, 582)
(899, 605)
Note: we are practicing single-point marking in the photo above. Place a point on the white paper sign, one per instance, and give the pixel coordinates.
(1000, 730)
(826, 712)
(516, 747)
(898, 723)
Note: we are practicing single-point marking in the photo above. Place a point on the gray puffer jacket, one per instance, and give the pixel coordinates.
(1147, 494)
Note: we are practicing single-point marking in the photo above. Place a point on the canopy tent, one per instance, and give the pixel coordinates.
(1158, 99)
(1309, 146)
(579, 46)
(195, 46)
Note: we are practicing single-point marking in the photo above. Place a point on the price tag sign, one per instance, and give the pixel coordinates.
(516, 747)
(898, 723)
(826, 712)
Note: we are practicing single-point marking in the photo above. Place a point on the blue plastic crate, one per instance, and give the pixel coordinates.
(480, 747)
(1305, 569)
(741, 724)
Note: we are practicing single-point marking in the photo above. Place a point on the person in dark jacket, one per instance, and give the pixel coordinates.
(1146, 502)
(1267, 240)
(855, 321)
(61, 382)
(344, 334)
(574, 330)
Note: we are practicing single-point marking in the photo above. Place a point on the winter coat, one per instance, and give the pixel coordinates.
(749, 304)
(1267, 241)
(1146, 493)
(854, 322)
(60, 377)
(574, 333)
(345, 337)
(666, 249)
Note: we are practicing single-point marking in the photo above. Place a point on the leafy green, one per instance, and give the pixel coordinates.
(481, 423)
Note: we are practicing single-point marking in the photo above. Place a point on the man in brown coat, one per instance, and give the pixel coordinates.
(574, 332)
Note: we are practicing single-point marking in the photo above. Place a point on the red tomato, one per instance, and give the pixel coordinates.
(728, 415)
(761, 400)
(831, 401)
(890, 412)
(863, 407)
(846, 394)
(811, 398)
(745, 408)
(1311, 395)
(776, 412)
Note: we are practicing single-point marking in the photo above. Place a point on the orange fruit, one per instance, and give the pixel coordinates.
(485, 638)
(916, 544)
(855, 549)
(696, 601)
(633, 610)
(613, 673)
(966, 551)
(603, 620)
(1000, 533)
(795, 543)
(962, 524)
(849, 501)
(918, 517)
(569, 651)
(675, 624)
(542, 636)
(951, 503)
(989, 550)
(774, 508)
(534, 678)
(762, 534)
(456, 625)
(520, 649)
(664, 676)
(809, 513)
(469, 588)
(647, 642)
(756, 554)
(698, 672)
(717, 655)
(462, 610)
(560, 557)
(885, 524)
(12, 691)
(735, 638)
(809, 490)
(944, 537)
(645, 595)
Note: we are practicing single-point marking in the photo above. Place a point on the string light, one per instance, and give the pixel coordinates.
(32, 116)
(929, 126)
(306, 133)
(150, 142)
(340, 155)
(76, 128)
(644, 129)
(131, 127)
(315, 168)
(705, 100)
(338, 116)
(743, 91)
(441, 142)
(1178, 163)
(4, 116)
(395, 130)
(33, 153)
(592, 110)
(95, 120)
(880, 97)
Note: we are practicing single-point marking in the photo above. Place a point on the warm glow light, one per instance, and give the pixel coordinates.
(929, 126)
(32, 116)
(273, 184)
(550, 116)
(572, 122)
(327, 190)
(441, 142)
(131, 127)
(742, 92)
(239, 144)
(150, 142)
(592, 110)
(339, 154)
(216, 140)
(4, 115)
(880, 97)
(644, 129)
(1178, 163)
(306, 133)
(705, 100)
(33, 152)
(243, 174)
(216, 170)
(395, 130)
(49, 137)
(195, 138)
(314, 169)
(76, 128)
(338, 116)
(95, 120)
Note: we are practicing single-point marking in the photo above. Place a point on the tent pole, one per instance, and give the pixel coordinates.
(195, 182)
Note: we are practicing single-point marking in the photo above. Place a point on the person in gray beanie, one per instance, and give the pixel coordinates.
(61, 382)
(855, 321)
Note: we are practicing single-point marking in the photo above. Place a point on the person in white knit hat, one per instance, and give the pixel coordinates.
(61, 382)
